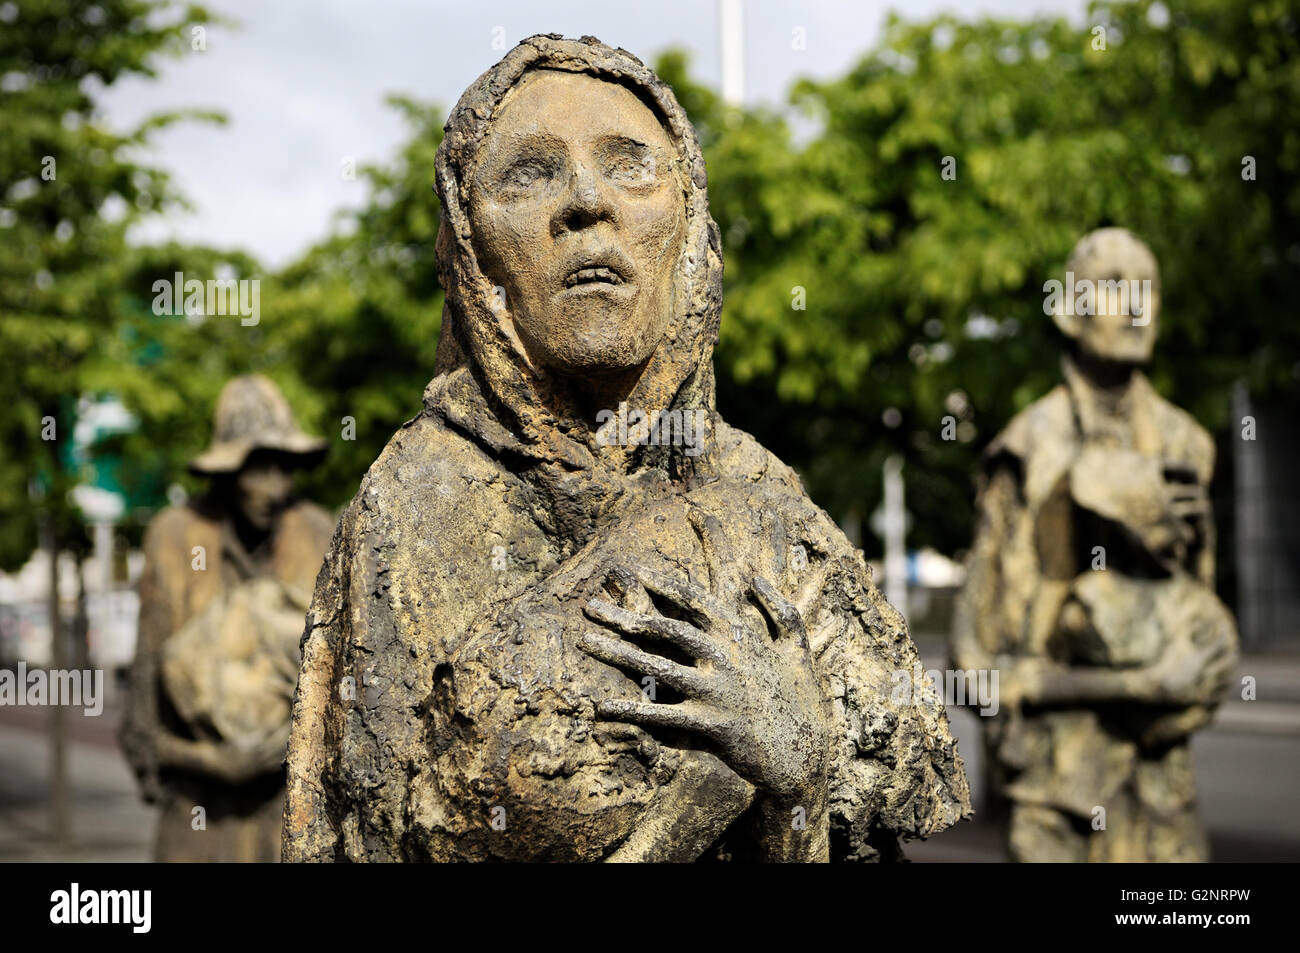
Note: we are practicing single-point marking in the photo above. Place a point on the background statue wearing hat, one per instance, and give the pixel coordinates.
(225, 587)
(1091, 588)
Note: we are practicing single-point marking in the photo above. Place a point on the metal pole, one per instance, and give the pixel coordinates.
(731, 14)
(59, 826)
(895, 533)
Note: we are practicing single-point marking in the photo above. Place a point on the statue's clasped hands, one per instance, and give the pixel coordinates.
(750, 691)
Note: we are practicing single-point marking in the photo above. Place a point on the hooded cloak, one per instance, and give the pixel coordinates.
(444, 710)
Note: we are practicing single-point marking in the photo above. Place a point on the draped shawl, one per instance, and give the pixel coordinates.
(444, 711)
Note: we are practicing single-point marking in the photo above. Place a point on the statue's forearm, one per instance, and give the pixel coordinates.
(1177, 725)
(1057, 684)
(688, 814)
(187, 755)
(148, 742)
(795, 830)
(977, 619)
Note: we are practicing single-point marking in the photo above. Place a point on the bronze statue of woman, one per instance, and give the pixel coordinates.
(541, 637)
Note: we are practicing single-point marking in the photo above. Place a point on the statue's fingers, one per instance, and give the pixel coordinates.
(783, 615)
(681, 634)
(713, 539)
(811, 585)
(1184, 509)
(628, 591)
(777, 543)
(622, 655)
(682, 717)
(687, 595)
(615, 616)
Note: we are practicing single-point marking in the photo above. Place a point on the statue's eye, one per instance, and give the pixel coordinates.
(631, 169)
(522, 175)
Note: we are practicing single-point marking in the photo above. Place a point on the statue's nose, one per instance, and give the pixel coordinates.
(585, 203)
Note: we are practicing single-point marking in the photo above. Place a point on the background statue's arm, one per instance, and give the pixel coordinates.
(1186, 675)
(148, 741)
(141, 727)
(982, 625)
(980, 614)
(1177, 725)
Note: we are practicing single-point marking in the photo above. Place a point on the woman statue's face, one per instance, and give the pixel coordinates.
(579, 217)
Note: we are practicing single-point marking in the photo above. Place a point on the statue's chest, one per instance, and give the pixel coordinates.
(573, 784)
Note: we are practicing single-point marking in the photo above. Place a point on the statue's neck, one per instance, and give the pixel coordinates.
(248, 544)
(583, 398)
(1106, 383)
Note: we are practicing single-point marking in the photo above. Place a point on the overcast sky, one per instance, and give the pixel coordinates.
(302, 83)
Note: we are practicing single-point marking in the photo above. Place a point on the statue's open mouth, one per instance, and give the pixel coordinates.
(594, 275)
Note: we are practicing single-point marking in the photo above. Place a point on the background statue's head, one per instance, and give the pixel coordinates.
(1123, 281)
(256, 446)
(578, 213)
(263, 488)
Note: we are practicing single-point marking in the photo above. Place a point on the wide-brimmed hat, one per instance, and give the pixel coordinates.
(251, 415)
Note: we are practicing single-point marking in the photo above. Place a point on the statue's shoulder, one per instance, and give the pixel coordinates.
(1185, 440)
(178, 527)
(309, 521)
(430, 485)
(741, 457)
(426, 461)
(1047, 421)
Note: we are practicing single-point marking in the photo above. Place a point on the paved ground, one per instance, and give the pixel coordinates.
(109, 821)
(1248, 769)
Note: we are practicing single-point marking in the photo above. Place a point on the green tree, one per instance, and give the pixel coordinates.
(69, 189)
(348, 331)
(358, 316)
(924, 291)
(168, 368)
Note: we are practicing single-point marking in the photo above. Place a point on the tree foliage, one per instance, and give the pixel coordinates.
(69, 189)
(922, 292)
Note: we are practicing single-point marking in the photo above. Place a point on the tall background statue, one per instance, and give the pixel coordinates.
(571, 614)
(226, 583)
(1091, 588)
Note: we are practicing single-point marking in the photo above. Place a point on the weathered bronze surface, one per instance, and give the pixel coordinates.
(226, 581)
(544, 632)
(1091, 591)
